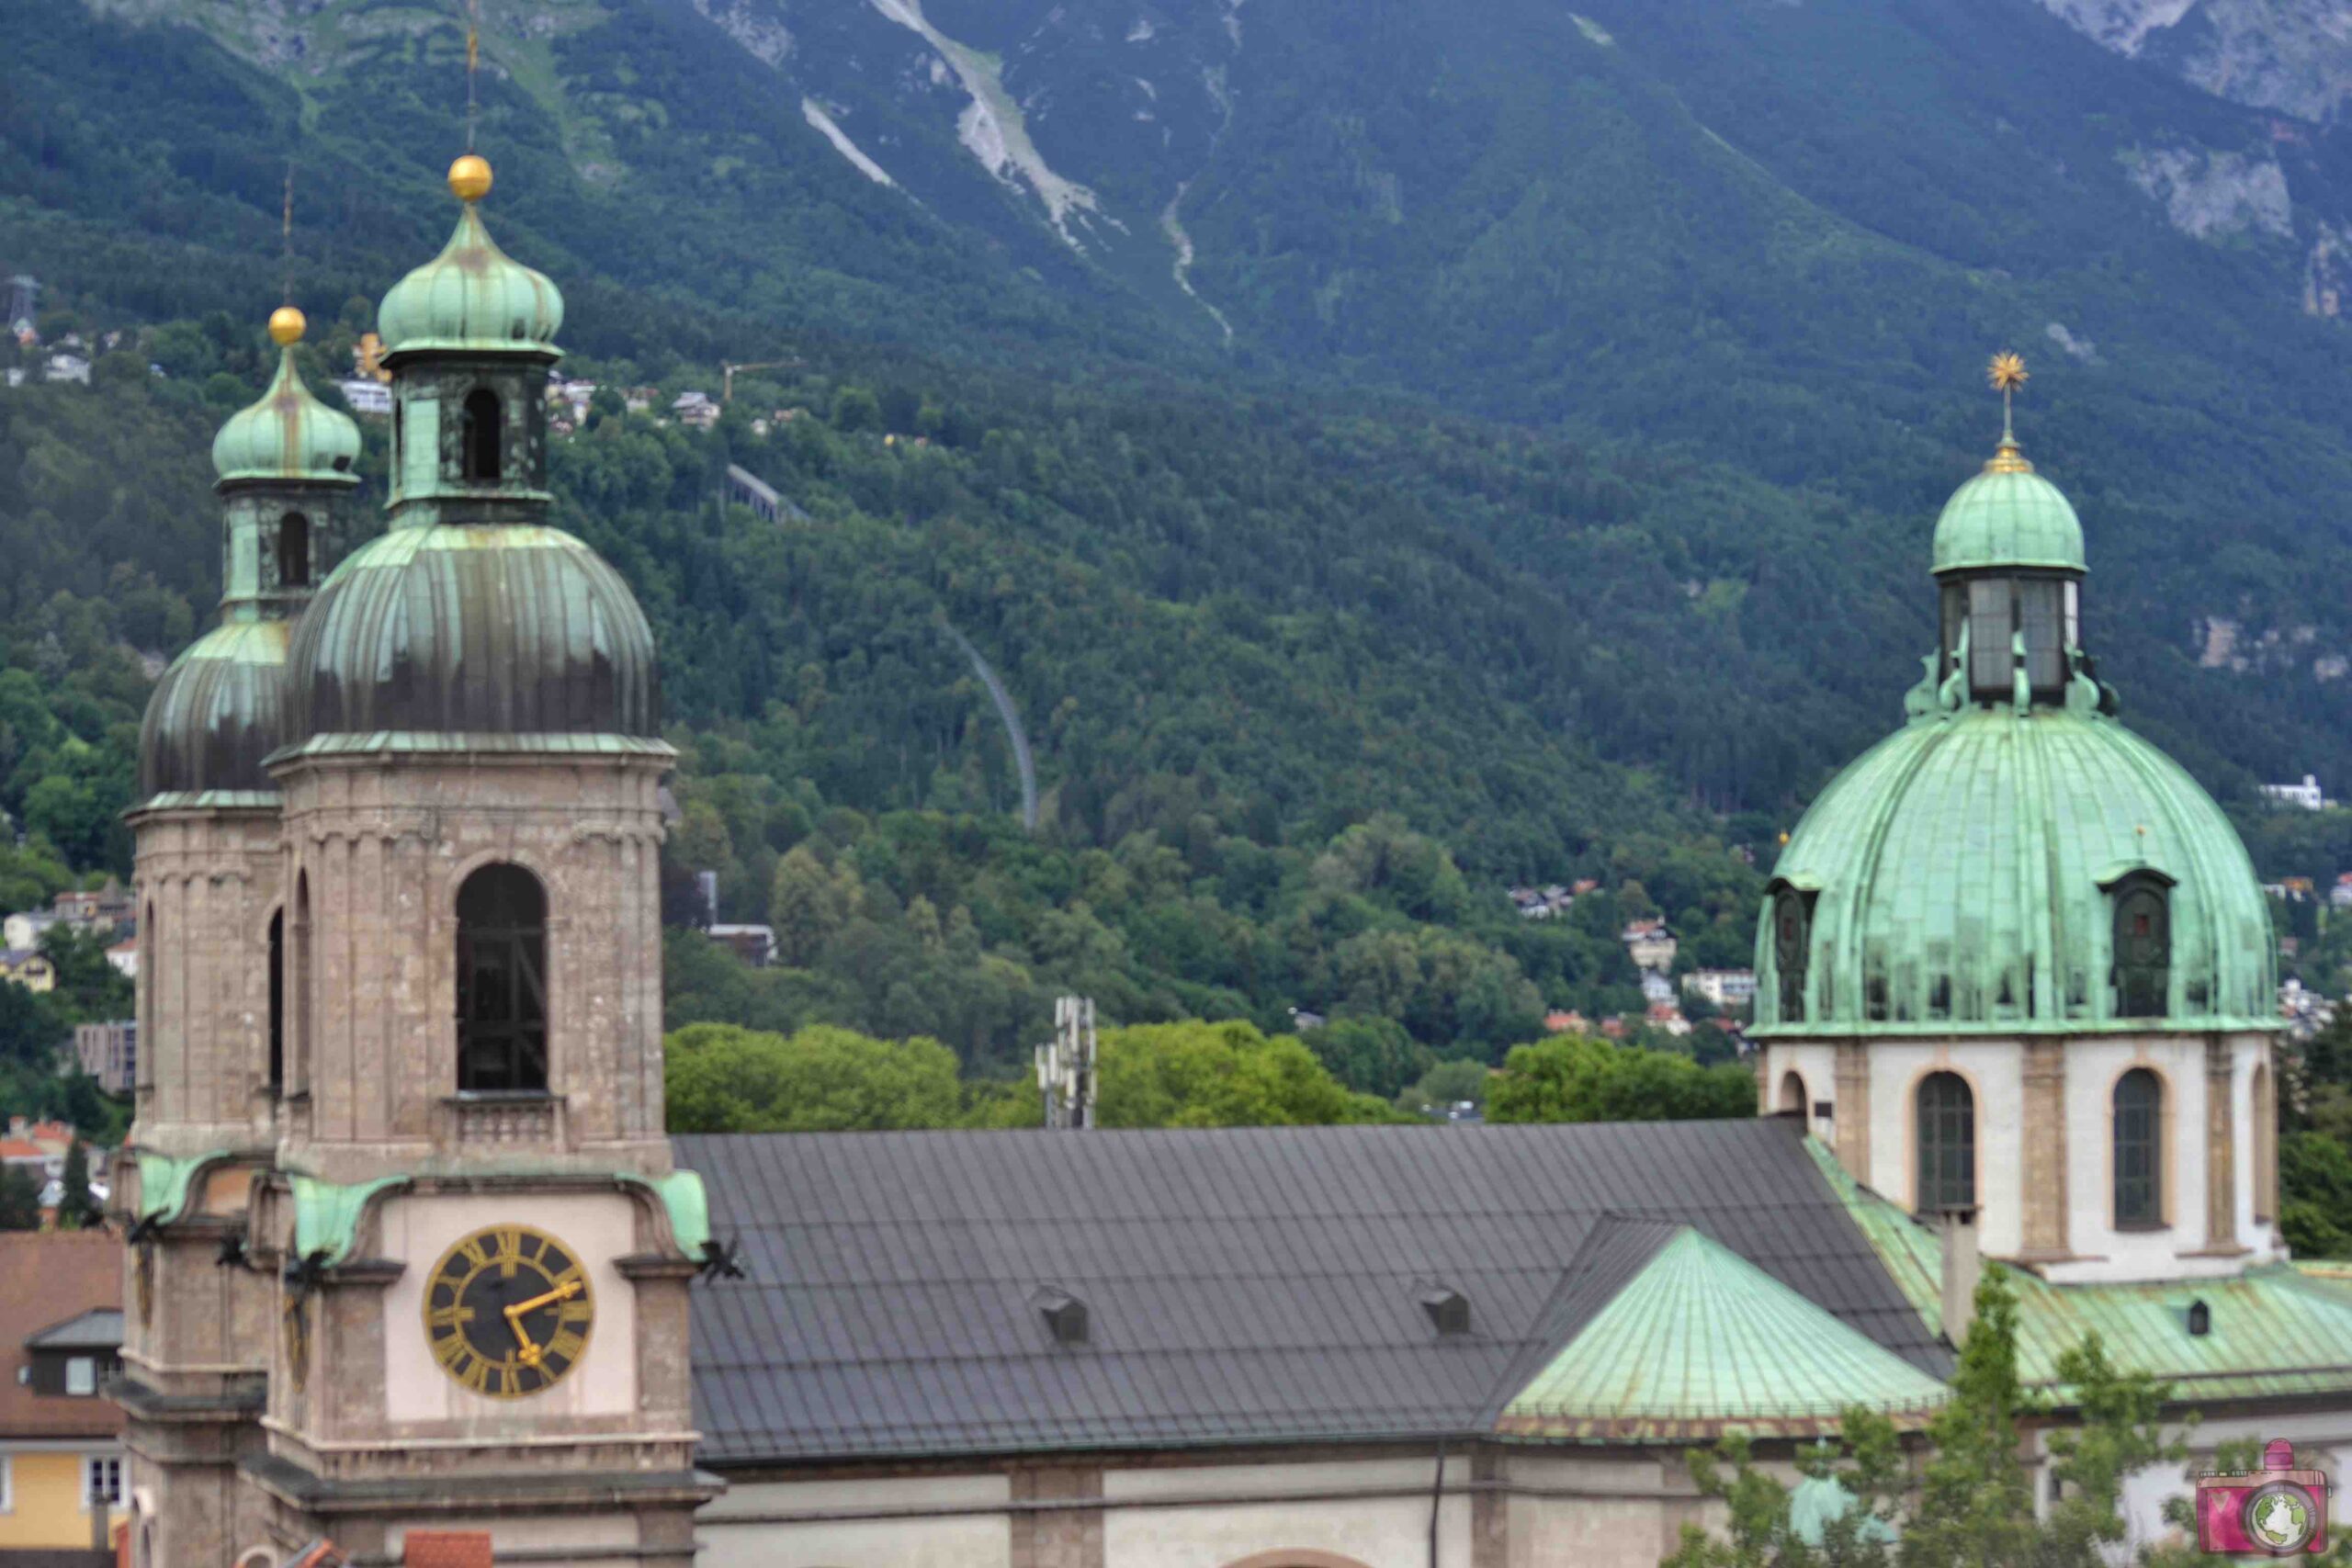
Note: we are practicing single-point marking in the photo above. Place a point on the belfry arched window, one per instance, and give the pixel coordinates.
(1792, 950)
(277, 1001)
(2143, 946)
(501, 981)
(2139, 1149)
(1792, 1093)
(480, 459)
(305, 1012)
(1947, 1143)
(293, 551)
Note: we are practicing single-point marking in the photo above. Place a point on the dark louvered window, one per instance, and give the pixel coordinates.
(1947, 1144)
(2139, 1149)
(2142, 949)
(501, 983)
(278, 1002)
(1791, 946)
(481, 457)
(293, 551)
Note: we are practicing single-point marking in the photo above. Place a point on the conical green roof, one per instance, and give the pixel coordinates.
(472, 296)
(289, 434)
(1960, 872)
(1699, 1342)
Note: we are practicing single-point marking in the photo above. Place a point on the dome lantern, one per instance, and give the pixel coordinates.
(285, 466)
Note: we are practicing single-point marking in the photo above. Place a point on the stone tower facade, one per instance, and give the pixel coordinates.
(2014, 960)
(465, 1251)
(211, 996)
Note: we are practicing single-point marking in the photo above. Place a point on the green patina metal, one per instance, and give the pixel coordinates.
(287, 435)
(2273, 1332)
(1960, 877)
(1960, 873)
(471, 298)
(1701, 1342)
(2008, 518)
(513, 629)
(217, 712)
(327, 1215)
(688, 1203)
(167, 1182)
(1817, 1503)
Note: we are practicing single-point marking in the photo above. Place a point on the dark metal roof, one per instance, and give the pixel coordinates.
(1242, 1285)
(497, 628)
(218, 711)
(100, 1328)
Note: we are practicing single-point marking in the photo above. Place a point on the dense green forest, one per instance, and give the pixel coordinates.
(1544, 517)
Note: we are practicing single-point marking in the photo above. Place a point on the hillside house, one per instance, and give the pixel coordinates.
(60, 1439)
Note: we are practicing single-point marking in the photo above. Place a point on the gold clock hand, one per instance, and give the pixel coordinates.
(526, 1352)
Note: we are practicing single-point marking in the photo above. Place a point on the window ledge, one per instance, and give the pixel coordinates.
(2142, 1228)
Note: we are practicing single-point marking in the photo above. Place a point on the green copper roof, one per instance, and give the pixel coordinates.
(2009, 516)
(2273, 1332)
(289, 434)
(470, 298)
(218, 711)
(327, 1213)
(1700, 1341)
(167, 1182)
(500, 629)
(1959, 871)
(1818, 1502)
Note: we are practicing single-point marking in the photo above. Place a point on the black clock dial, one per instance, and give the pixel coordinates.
(508, 1311)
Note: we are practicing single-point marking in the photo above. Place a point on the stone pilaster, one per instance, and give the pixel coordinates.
(1853, 1132)
(2221, 1149)
(1057, 1538)
(2045, 1151)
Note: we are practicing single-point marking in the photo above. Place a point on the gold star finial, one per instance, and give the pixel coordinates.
(2007, 374)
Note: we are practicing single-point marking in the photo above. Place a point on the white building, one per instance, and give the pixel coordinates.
(2305, 794)
(1727, 989)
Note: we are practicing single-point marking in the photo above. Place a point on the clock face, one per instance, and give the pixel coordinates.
(508, 1311)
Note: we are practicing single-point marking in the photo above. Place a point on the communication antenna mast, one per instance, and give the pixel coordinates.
(1066, 1066)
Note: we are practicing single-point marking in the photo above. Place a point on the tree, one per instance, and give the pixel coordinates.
(1972, 1506)
(2316, 1194)
(19, 1199)
(76, 1208)
(1445, 1085)
(723, 1078)
(1220, 1075)
(1371, 1056)
(1573, 1078)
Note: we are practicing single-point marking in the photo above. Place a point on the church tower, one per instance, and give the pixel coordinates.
(211, 1013)
(2014, 960)
(481, 1247)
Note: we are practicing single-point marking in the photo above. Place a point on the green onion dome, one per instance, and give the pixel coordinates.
(289, 434)
(218, 711)
(473, 296)
(493, 636)
(2009, 516)
(1964, 876)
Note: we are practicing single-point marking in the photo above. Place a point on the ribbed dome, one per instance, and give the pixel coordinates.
(289, 434)
(1960, 872)
(218, 711)
(497, 633)
(473, 296)
(2009, 516)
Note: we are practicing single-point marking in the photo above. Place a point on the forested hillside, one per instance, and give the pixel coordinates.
(1387, 455)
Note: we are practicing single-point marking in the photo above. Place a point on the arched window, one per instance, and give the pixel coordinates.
(1791, 946)
(478, 461)
(501, 983)
(293, 551)
(277, 1001)
(2139, 1150)
(305, 1012)
(2266, 1145)
(1792, 1093)
(2142, 948)
(1947, 1112)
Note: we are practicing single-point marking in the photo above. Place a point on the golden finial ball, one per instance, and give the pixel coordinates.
(469, 178)
(287, 326)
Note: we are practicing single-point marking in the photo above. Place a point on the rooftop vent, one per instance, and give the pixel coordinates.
(1065, 1316)
(1449, 1309)
(2201, 1319)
